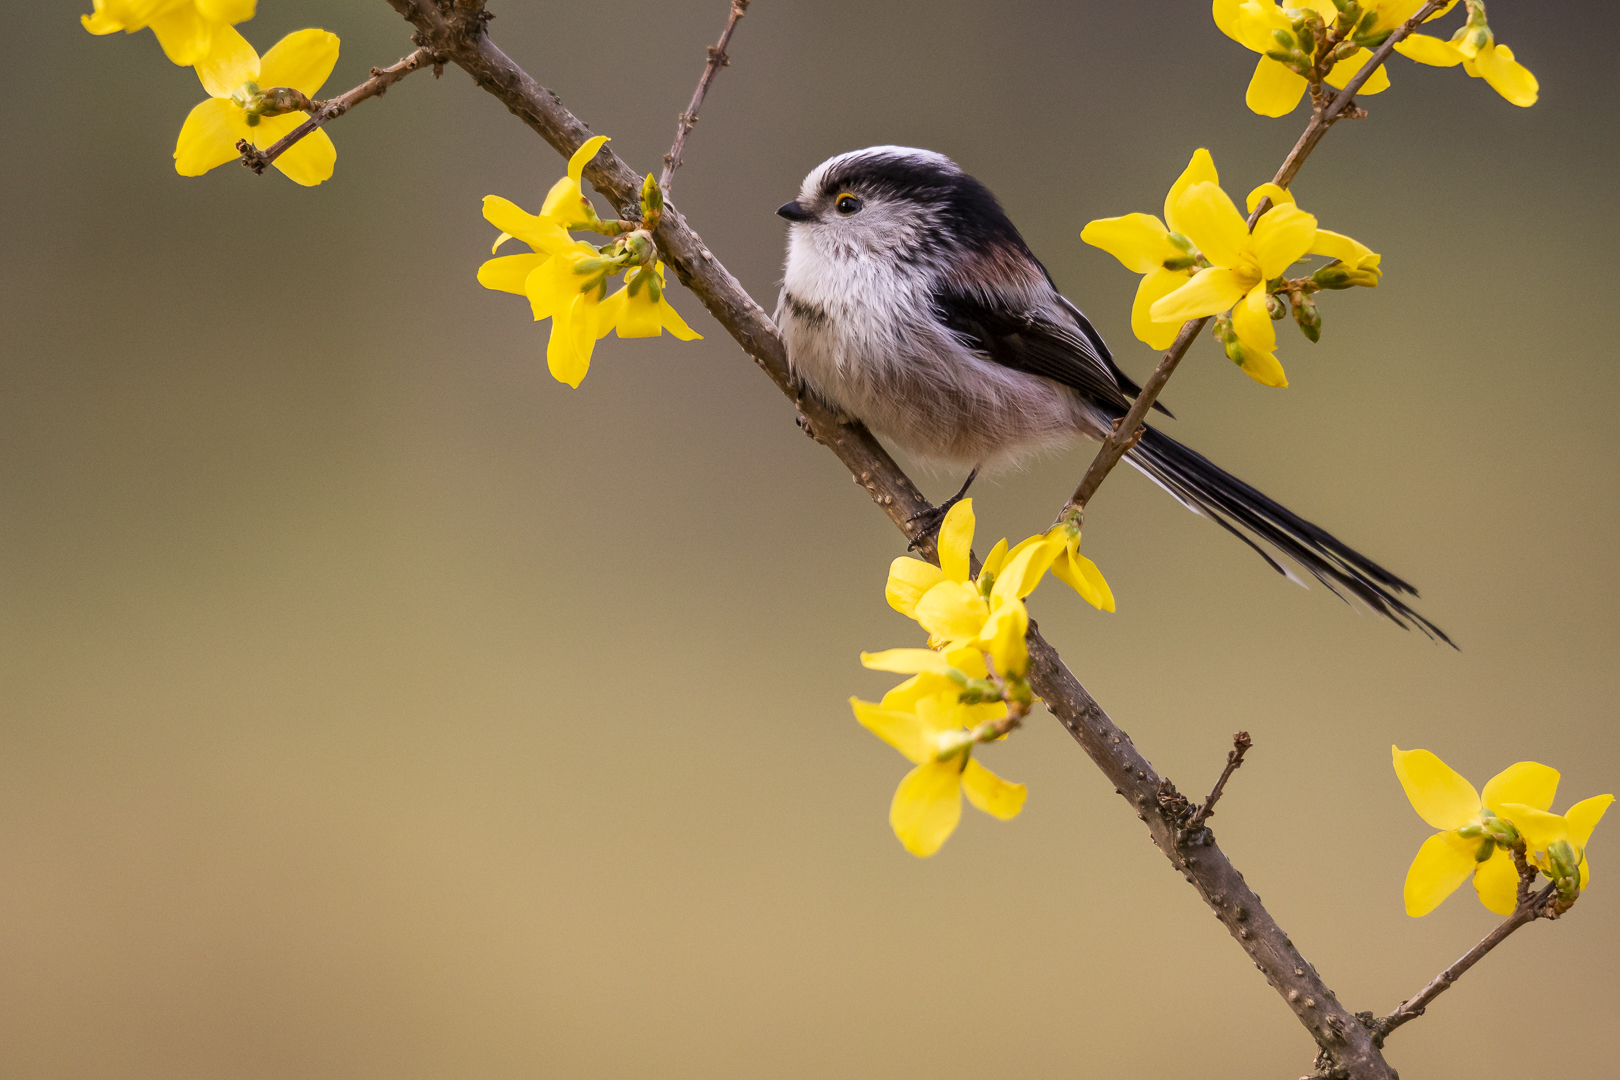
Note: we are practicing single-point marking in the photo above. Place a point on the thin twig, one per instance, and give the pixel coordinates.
(1127, 431)
(1528, 911)
(718, 58)
(1234, 759)
(381, 79)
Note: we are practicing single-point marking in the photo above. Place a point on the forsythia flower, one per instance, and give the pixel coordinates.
(1444, 799)
(957, 610)
(233, 74)
(1556, 843)
(1275, 89)
(1243, 262)
(927, 723)
(1078, 572)
(639, 309)
(188, 30)
(566, 279)
(1475, 48)
(1158, 250)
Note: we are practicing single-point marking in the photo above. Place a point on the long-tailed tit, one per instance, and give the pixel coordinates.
(912, 303)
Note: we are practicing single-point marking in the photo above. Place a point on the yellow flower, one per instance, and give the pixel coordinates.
(1475, 48)
(1078, 572)
(1162, 255)
(1275, 89)
(566, 203)
(1556, 844)
(1464, 848)
(187, 29)
(957, 610)
(639, 308)
(1243, 262)
(233, 75)
(929, 726)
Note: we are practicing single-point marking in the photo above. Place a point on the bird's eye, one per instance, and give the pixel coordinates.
(848, 204)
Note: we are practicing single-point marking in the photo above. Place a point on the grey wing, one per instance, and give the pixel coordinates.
(1035, 342)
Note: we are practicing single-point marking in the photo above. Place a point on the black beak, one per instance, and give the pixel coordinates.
(794, 212)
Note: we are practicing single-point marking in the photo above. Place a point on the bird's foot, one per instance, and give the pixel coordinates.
(934, 516)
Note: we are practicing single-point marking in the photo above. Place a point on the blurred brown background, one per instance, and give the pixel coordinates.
(374, 706)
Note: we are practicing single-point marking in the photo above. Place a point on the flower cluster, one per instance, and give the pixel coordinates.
(565, 279)
(1482, 832)
(1307, 43)
(251, 99)
(1204, 260)
(970, 685)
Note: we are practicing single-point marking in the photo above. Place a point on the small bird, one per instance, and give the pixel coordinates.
(911, 302)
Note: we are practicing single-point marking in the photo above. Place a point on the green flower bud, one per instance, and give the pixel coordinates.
(1471, 832)
(1310, 324)
(1486, 850)
(1284, 40)
(1275, 306)
(1340, 275)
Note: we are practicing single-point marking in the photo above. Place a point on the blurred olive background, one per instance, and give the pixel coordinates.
(374, 706)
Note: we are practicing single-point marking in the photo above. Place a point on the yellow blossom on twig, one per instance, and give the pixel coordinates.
(1473, 842)
(1474, 47)
(1275, 88)
(1555, 844)
(933, 731)
(238, 108)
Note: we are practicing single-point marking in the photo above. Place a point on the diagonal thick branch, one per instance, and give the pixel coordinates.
(324, 111)
(455, 29)
(718, 58)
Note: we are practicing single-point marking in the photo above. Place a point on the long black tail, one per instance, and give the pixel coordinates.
(1206, 489)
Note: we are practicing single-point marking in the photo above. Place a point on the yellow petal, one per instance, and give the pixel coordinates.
(1281, 237)
(564, 202)
(994, 561)
(101, 21)
(582, 157)
(1025, 567)
(673, 322)
(907, 661)
(1155, 285)
(956, 541)
(1002, 637)
(209, 136)
(302, 60)
(1507, 76)
(1351, 252)
(509, 272)
(1443, 862)
(1200, 170)
(1429, 50)
(1140, 241)
(1438, 793)
(1496, 880)
(1528, 782)
(1278, 196)
(904, 697)
(1274, 90)
(230, 62)
(184, 35)
(1263, 368)
(1081, 574)
(310, 160)
(640, 318)
(990, 793)
(226, 11)
(563, 358)
(952, 610)
(908, 580)
(537, 232)
(1583, 817)
(927, 805)
(1251, 321)
(1210, 221)
(1226, 14)
(1539, 829)
(1346, 69)
(1210, 290)
(901, 730)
